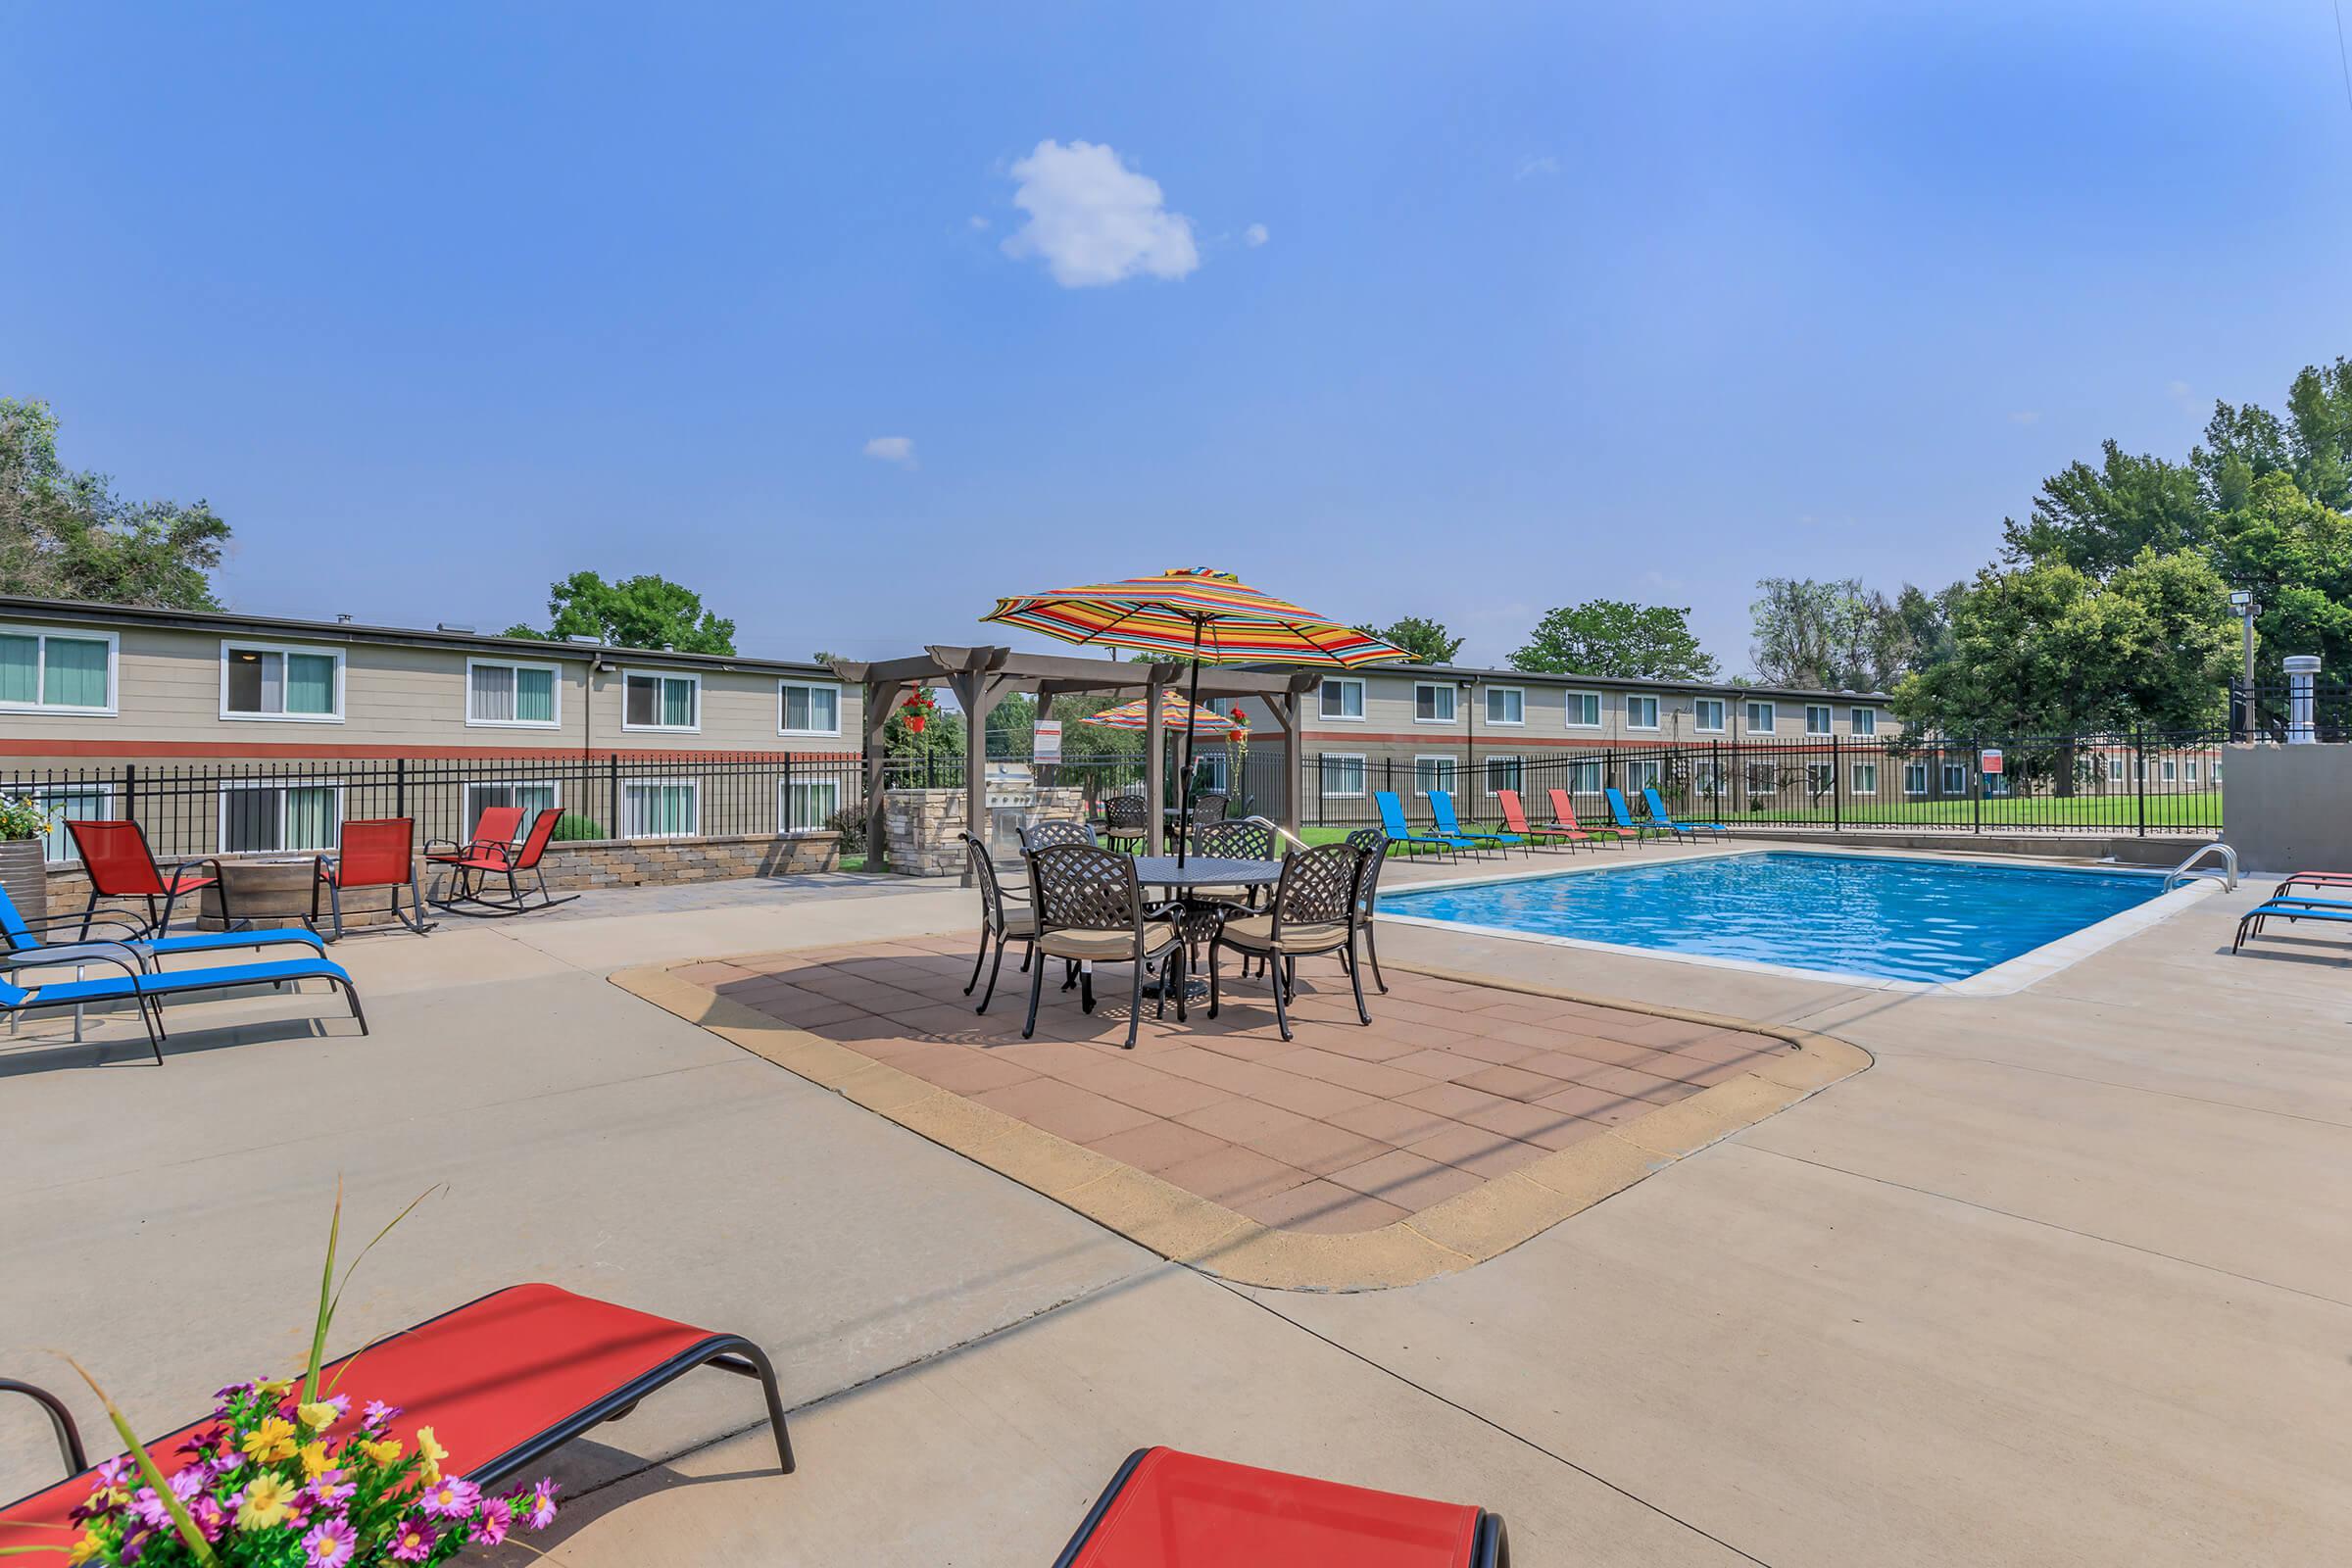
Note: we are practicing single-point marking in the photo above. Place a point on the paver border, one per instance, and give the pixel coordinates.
(1449, 1236)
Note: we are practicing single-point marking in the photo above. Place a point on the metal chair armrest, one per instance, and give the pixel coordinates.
(74, 953)
(68, 1436)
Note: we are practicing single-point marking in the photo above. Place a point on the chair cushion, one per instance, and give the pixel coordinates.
(1106, 944)
(1256, 933)
(1021, 919)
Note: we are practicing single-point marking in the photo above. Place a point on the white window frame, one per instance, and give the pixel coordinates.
(555, 674)
(2189, 771)
(784, 787)
(40, 672)
(693, 828)
(695, 728)
(1580, 772)
(1949, 788)
(1821, 770)
(1363, 773)
(1486, 771)
(1828, 718)
(1574, 704)
(1771, 714)
(1493, 692)
(1863, 720)
(1452, 694)
(785, 686)
(44, 795)
(230, 645)
(2117, 773)
(469, 815)
(1333, 683)
(1920, 767)
(1863, 771)
(1699, 715)
(1658, 711)
(236, 786)
(1644, 772)
(1450, 775)
(2168, 770)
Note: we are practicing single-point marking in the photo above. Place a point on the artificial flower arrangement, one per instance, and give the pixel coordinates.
(285, 1476)
(917, 709)
(24, 817)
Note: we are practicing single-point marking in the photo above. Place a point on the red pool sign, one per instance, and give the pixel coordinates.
(1991, 760)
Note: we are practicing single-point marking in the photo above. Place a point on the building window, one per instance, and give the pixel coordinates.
(1915, 778)
(1995, 785)
(807, 804)
(1639, 776)
(1433, 773)
(2167, 771)
(1820, 778)
(1955, 778)
(660, 808)
(1640, 713)
(509, 696)
(1433, 703)
(1866, 721)
(534, 797)
(1342, 698)
(1817, 719)
(2115, 768)
(1506, 704)
(1707, 716)
(1584, 710)
(1584, 778)
(1341, 777)
(1763, 779)
(661, 701)
(260, 818)
(56, 671)
(1866, 778)
(1759, 718)
(2189, 768)
(809, 709)
(1209, 772)
(264, 680)
(1504, 773)
(72, 803)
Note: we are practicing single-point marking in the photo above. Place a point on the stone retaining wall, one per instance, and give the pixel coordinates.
(919, 826)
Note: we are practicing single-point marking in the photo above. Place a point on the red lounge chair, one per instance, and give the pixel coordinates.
(503, 1381)
(1514, 818)
(493, 854)
(379, 853)
(121, 867)
(1563, 812)
(1166, 1509)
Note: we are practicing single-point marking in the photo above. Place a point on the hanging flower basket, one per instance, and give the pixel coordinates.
(916, 711)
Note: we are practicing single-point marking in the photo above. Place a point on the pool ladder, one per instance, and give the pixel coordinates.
(2229, 873)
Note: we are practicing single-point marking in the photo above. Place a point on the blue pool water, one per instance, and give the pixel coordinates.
(1894, 920)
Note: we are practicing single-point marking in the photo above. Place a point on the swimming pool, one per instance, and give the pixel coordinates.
(1880, 916)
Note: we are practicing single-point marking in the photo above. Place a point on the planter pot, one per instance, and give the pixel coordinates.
(25, 876)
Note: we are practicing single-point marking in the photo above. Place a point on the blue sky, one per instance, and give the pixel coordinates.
(436, 304)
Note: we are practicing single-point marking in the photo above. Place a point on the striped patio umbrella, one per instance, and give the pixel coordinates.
(1200, 614)
(1172, 714)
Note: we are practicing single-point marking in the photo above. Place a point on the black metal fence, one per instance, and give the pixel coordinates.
(2122, 783)
(2268, 711)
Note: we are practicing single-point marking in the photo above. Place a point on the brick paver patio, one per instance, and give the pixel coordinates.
(1345, 1128)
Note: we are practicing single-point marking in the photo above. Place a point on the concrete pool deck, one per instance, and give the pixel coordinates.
(2064, 1277)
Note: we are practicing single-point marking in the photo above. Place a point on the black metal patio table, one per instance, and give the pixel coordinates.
(1198, 872)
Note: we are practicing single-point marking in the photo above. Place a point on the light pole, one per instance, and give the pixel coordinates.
(2243, 602)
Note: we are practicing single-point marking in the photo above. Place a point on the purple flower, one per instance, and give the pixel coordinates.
(490, 1526)
(412, 1541)
(189, 1482)
(233, 1393)
(330, 1545)
(450, 1499)
(539, 1503)
(211, 1518)
(149, 1509)
(201, 1445)
(379, 1414)
(330, 1490)
(116, 1471)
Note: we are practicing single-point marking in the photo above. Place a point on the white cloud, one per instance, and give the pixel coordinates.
(898, 448)
(976, 223)
(2026, 417)
(1537, 165)
(1093, 221)
(1256, 235)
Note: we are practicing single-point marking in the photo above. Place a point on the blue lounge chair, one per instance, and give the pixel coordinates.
(1625, 818)
(1392, 822)
(1657, 813)
(2290, 909)
(148, 990)
(1440, 810)
(25, 945)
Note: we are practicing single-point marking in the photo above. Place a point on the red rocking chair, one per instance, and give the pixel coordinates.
(119, 865)
(492, 853)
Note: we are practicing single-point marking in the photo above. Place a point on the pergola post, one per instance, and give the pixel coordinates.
(1294, 751)
(1156, 765)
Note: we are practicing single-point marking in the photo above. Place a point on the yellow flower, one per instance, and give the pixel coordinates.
(88, 1546)
(383, 1452)
(315, 1461)
(268, 1500)
(272, 1438)
(317, 1417)
(271, 1391)
(430, 1447)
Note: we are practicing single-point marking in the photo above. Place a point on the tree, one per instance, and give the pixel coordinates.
(1927, 620)
(1838, 635)
(2294, 554)
(2097, 519)
(1612, 637)
(647, 611)
(66, 535)
(1425, 639)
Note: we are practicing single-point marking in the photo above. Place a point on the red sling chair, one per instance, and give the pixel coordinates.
(1166, 1509)
(377, 853)
(492, 853)
(119, 865)
(503, 1381)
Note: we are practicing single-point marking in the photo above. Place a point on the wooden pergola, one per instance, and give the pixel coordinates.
(982, 677)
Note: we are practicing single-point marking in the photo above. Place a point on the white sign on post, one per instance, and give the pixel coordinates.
(1047, 746)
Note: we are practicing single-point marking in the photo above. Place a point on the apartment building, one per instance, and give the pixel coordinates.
(289, 723)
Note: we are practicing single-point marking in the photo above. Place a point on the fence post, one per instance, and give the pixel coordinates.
(1836, 786)
(2139, 778)
(400, 785)
(613, 764)
(130, 792)
(1973, 763)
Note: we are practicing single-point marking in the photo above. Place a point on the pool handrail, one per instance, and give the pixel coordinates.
(2229, 873)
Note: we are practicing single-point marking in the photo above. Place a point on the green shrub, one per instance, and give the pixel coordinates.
(571, 825)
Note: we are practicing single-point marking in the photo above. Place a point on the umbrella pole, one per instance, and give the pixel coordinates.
(1184, 786)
